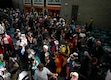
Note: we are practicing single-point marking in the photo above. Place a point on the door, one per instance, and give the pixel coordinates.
(74, 12)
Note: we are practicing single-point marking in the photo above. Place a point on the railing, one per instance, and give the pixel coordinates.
(54, 1)
(41, 1)
(38, 1)
(34, 1)
(27, 1)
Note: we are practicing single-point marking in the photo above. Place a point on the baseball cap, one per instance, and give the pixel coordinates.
(75, 54)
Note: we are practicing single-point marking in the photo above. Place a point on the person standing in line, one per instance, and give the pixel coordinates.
(98, 51)
(42, 73)
(93, 69)
(71, 65)
(43, 54)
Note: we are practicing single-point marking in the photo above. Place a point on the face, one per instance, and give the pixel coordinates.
(74, 58)
(40, 69)
(98, 43)
(45, 50)
(28, 50)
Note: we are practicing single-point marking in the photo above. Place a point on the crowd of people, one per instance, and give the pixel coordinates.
(49, 45)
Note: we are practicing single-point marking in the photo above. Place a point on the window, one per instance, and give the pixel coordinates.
(54, 0)
(37, 0)
(50, 0)
(27, 1)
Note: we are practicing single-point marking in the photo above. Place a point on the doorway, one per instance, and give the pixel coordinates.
(74, 12)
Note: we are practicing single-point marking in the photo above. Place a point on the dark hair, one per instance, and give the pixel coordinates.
(94, 59)
(41, 65)
(27, 47)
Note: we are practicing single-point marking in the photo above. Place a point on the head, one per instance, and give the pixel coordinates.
(98, 43)
(74, 56)
(27, 48)
(23, 36)
(30, 34)
(45, 48)
(94, 61)
(40, 66)
(74, 75)
(56, 42)
(17, 30)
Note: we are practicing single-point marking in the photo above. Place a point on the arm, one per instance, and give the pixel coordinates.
(53, 75)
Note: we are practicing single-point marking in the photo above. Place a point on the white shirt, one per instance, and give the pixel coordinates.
(41, 75)
(108, 75)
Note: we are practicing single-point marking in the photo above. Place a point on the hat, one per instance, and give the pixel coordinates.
(75, 54)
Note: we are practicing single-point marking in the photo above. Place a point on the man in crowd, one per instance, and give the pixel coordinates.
(42, 73)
